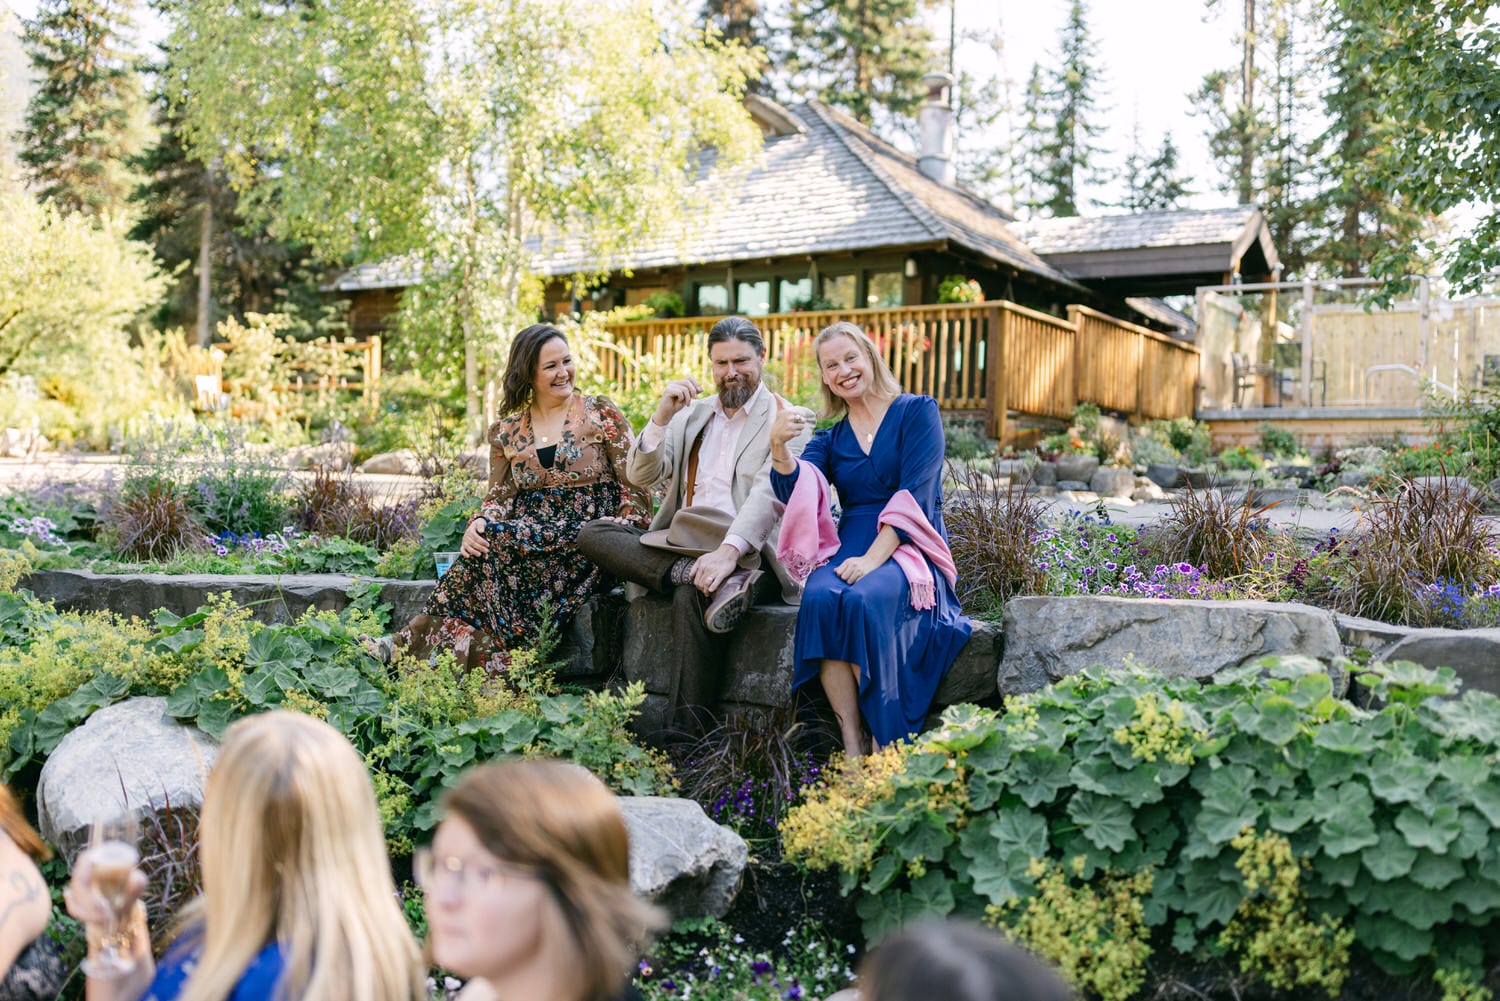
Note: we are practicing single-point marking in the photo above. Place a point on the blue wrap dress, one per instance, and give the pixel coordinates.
(902, 653)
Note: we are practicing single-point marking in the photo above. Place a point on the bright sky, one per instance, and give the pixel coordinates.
(1153, 54)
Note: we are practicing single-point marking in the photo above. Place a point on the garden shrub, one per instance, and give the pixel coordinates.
(1279, 443)
(1239, 458)
(1221, 534)
(704, 959)
(152, 519)
(1282, 828)
(1419, 536)
(965, 440)
(1469, 424)
(1179, 440)
(747, 771)
(419, 726)
(992, 532)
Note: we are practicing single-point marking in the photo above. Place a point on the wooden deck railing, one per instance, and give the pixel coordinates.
(992, 357)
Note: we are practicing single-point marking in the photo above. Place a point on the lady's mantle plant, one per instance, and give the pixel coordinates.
(1258, 819)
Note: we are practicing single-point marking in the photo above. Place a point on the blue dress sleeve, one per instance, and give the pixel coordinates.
(816, 452)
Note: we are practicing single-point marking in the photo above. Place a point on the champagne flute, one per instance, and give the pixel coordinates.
(112, 859)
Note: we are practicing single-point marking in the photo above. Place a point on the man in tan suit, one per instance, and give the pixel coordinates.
(714, 537)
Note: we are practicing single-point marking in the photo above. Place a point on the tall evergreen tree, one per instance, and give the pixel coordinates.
(981, 117)
(865, 56)
(87, 118)
(1070, 155)
(1153, 183)
(1357, 214)
(1026, 153)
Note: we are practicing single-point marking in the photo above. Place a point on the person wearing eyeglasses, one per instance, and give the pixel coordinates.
(527, 886)
(298, 901)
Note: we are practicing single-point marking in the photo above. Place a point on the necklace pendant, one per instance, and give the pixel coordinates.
(544, 439)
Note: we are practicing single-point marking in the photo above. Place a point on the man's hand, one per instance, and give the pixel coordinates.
(474, 544)
(712, 568)
(789, 423)
(678, 394)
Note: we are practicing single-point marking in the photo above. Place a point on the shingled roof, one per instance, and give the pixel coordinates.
(1193, 244)
(825, 185)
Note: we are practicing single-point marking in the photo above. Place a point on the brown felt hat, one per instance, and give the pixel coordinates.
(693, 531)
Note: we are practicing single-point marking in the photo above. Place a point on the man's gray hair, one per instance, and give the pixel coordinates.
(737, 328)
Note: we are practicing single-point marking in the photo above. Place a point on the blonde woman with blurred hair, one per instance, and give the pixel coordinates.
(298, 902)
(527, 886)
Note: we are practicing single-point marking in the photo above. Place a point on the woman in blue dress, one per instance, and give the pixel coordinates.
(861, 627)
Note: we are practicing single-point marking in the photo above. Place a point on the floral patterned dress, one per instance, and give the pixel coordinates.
(486, 606)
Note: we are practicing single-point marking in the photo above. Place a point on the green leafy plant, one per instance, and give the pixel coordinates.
(704, 958)
(965, 440)
(1240, 458)
(665, 303)
(1390, 817)
(1279, 442)
(960, 288)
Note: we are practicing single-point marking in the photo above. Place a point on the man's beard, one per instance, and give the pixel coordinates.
(735, 394)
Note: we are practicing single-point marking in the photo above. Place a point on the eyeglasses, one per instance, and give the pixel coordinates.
(430, 870)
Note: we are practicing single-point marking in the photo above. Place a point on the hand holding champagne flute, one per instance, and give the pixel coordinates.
(105, 895)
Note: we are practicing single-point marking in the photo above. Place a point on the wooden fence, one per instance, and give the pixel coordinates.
(1043, 366)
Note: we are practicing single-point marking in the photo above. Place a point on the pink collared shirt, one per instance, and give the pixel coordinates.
(721, 440)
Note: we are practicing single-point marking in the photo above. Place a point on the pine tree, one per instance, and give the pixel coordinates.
(87, 117)
(1027, 158)
(1356, 213)
(1152, 183)
(865, 56)
(1070, 156)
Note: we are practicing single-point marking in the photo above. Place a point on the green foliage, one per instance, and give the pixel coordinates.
(704, 958)
(867, 58)
(483, 144)
(665, 303)
(419, 727)
(1470, 424)
(1279, 442)
(1240, 458)
(960, 288)
(1226, 536)
(965, 440)
(87, 117)
(1068, 148)
(1430, 63)
(1434, 458)
(1390, 816)
(70, 290)
(1086, 435)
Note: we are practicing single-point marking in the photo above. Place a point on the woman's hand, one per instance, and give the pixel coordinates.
(856, 567)
(474, 543)
(86, 906)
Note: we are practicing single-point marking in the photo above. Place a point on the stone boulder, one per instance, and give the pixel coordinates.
(1147, 490)
(680, 859)
(1165, 476)
(130, 755)
(1473, 653)
(1113, 481)
(1048, 638)
(1073, 486)
(329, 455)
(403, 462)
(1076, 467)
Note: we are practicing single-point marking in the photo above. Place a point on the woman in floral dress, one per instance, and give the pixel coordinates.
(557, 460)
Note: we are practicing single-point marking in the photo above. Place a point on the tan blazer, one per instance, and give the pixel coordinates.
(757, 512)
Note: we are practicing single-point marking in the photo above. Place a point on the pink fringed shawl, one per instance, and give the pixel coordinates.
(809, 538)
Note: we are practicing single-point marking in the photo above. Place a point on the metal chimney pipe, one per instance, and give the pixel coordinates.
(935, 129)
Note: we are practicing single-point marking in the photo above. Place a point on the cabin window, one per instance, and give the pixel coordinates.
(794, 294)
(710, 300)
(883, 289)
(839, 290)
(753, 298)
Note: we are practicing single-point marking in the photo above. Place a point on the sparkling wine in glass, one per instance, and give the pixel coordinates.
(112, 858)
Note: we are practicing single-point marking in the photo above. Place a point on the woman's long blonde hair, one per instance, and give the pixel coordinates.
(292, 852)
(883, 379)
(560, 820)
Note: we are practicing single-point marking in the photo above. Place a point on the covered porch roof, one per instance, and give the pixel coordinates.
(1157, 253)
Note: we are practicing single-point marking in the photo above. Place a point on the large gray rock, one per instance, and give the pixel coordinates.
(1112, 481)
(328, 455)
(1076, 467)
(1165, 476)
(1473, 653)
(1048, 638)
(1043, 474)
(130, 755)
(401, 462)
(680, 859)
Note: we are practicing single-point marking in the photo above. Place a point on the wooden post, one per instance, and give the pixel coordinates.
(994, 363)
(372, 370)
